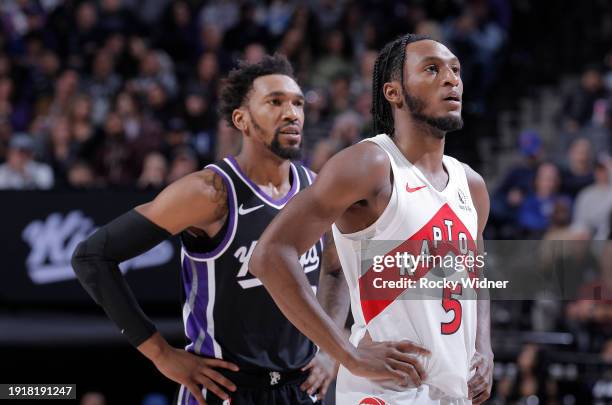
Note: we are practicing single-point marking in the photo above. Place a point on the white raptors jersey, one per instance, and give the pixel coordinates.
(447, 327)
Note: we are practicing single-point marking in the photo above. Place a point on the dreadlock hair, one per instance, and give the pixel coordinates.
(240, 81)
(388, 66)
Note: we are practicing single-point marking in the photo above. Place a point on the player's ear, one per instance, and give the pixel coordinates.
(239, 119)
(393, 94)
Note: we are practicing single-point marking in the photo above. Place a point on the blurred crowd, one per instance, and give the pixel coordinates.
(121, 93)
(124, 93)
(561, 190)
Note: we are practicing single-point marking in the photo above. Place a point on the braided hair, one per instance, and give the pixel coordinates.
(388, 66)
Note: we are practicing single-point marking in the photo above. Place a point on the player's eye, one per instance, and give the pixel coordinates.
(275, 102)
(456, 69)
(432, 69)
(299, 103)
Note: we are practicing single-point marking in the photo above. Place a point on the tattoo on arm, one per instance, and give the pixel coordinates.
(218, 192)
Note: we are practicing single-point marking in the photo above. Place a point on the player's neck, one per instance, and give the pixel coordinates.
(419, 146)
(263, 169)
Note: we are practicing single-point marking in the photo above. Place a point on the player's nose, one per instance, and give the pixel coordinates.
(451, 78)
(290, 112)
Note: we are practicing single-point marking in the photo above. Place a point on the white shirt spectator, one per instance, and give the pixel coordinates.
(20, 171)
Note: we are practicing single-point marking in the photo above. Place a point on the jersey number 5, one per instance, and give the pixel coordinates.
(451, 304)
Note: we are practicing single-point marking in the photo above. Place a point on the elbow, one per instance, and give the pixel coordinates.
(82, 258)
(78, 257)
(257, 262)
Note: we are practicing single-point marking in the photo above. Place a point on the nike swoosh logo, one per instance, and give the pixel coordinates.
(413, 189)
(313, 398)
(243, 211)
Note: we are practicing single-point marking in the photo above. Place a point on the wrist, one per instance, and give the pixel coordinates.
(349, 358)
(154, 348)
(485, 351)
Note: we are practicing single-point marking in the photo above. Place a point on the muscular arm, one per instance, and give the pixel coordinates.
(480, 197)
(333, 292)
(480, 384)
(196, 200)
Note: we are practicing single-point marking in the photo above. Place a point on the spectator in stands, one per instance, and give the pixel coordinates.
(61, 149)
(599, 132)
(21, 171)
(577, 172)
(155, 68)
(560, 220)
(363, 79)
(278, 17)
(293, 46)
(339, 94)
(113, 159)
(536, 210)
(477, 40)
(594, 204)
(578, 105)
(85, 36)
(254, 52)
(81, 176)
(594, 304)
(178, 37)
(184, 162)
(115, 17)
(80, 118)
(515, 186)
(154, 172)
(206, 81)
(336, 62)
(322, 152)
(247, 30)
(43, 74)
(346, 129)
(102, 85)
(66, 89)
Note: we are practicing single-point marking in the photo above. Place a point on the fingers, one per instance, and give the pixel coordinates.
(309, 365)
(220, 363)
(409, 360)
(212, 387)
(218, 378)
(481, 398)
(408, 370)
(411, 347)
(477, 361)
(476, 386)
(314, 381)
(324, 387)
(195, 391)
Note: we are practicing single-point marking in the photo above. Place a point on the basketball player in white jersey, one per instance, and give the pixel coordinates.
(396, 186)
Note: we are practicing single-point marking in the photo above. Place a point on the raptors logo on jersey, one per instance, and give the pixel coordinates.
(417, 215)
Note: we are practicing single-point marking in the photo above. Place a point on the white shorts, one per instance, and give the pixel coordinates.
(346, 394)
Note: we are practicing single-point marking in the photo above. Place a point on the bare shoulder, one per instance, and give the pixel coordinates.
(364, 163)
(198, 199)
(480, 195)
(475, 180)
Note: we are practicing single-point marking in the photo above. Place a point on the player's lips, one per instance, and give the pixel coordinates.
(292, 132)
(453, 99)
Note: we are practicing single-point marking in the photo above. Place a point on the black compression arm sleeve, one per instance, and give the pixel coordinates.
(96, 264)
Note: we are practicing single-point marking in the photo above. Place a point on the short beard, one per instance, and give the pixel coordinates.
(444, 124)
(275, 146)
